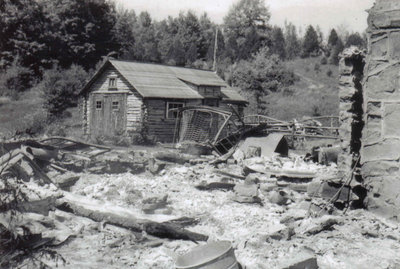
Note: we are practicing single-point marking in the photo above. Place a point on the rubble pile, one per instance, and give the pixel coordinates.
(146, 208)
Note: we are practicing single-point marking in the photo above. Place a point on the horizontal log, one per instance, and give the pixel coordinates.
(115, 215)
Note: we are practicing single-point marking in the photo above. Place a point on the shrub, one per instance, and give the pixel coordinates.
(15, 79)
(261, 75)
(329, 73)
(61, 88)
(324, 60)
(317, 68)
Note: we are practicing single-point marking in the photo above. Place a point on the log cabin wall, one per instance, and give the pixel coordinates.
(131, 105)
(158, 126)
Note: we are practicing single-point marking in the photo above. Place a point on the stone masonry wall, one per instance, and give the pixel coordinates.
(350, 106)
(380, 152)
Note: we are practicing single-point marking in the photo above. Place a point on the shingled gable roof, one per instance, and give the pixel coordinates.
(161, 81)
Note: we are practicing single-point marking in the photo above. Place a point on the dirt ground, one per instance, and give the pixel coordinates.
(357, 239)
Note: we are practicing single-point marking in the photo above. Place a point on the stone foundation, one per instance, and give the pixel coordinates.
(380, 153)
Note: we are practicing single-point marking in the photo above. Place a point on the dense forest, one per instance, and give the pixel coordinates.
(54, 46)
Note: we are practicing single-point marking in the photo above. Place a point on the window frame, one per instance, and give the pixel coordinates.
(167, 109)
(113, 108)
(113, 85)
(97, 104)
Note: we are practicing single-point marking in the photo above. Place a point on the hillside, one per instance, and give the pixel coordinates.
(315, 93)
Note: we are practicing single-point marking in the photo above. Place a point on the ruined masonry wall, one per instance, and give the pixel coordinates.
(351, 61)
(381, 135)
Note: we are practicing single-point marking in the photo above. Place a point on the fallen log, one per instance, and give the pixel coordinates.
(216, 186)
(122, 217)
(173, 157)
(78, 142)
(224, 173)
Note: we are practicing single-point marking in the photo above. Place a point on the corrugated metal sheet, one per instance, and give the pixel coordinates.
(232, 94)
(160, 81)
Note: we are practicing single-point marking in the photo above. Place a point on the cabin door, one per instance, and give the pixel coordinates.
(108, 117)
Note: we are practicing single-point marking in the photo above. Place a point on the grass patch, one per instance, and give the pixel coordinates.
(314, 94)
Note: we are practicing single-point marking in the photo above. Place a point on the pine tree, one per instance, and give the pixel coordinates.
(333, 38)
(292, 45)
(310, 43)
(278, 43)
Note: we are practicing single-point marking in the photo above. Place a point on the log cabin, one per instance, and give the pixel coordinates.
(126, 98)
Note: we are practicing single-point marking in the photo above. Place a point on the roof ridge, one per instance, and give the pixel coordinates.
(161, 64)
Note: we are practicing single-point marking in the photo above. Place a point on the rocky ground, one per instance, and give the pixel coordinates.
(272, 221)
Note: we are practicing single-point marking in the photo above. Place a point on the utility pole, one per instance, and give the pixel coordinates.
(215, 50)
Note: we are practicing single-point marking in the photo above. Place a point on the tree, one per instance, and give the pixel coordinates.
(333, 38)
(25, 34)
(260, 75)
(124, 32)
(278, 43)
(83, 31)
(355, 39)
(292, 44)
(15, 79)
(310, 42)
(61, 87)
(146, 45)
(336, 50)
(246, 28)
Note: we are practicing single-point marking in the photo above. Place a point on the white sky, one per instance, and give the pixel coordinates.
(350, 14)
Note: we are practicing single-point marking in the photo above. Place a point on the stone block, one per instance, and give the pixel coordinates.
(279, 232)
(300, 261)
(385, 187)
(389, 149)
(380, 168)
(374, 109)
(327, 190)
(394, 45)
(346, 81)
(381, 208)
(391, 123)
(379, 48)
(345, 67)
(278, 197)
(384, 14)
(384, 84)
(345, 106)
(372, 131)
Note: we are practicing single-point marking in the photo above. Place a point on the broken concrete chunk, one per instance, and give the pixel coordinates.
(293, 215)
(155, 166)
(280, 232)
(252, 179)
(151, 204)
(278, 197)
(66, 180)
(238, 156)
(302, 260)
(323, 189)
(322, 224)
(245, 193)
(252, 151)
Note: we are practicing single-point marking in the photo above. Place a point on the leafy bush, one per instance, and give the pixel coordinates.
(329, 73)
(324, 60)
(61, 88)
(317, 68)
(15, 79)
(261, 75)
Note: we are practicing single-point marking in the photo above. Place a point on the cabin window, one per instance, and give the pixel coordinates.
(98, 104)
(112, 83)
(211, 102)
(172, 112)
(115, 105)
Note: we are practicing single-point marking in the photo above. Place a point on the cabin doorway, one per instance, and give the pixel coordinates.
(108, 114)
